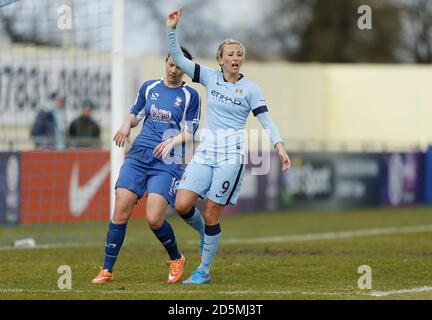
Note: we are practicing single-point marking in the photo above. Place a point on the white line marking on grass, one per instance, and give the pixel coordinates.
(291, 238)
(241, 292)
(333, 235)
(54, 246)
(389, 293)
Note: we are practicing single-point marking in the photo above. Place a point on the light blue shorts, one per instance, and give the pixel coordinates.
(217, 177)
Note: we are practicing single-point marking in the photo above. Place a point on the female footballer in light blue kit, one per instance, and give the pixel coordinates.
(170, 111)
(217, 168)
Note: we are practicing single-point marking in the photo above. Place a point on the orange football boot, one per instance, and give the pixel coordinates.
(103, 277)
(176, 269)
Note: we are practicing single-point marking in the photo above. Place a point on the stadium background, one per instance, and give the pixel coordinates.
(359, 115)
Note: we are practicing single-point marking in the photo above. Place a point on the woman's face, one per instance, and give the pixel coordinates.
(174, 74)
(232, 58)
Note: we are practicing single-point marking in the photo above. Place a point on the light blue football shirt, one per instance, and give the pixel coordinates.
(228, 105)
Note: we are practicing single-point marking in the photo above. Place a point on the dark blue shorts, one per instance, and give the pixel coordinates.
(138, 177)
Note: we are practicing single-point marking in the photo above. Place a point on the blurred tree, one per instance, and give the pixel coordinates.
(333, 34)
(327, 31)
(417, 30)
(279, 34)
(295, 30)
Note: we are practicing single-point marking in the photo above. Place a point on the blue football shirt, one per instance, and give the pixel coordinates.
(165, 112)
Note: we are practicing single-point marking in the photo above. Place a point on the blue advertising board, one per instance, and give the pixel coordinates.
(331, 180)
(402, 179)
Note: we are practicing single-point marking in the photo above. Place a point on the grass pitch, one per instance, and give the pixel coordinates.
(284, 255)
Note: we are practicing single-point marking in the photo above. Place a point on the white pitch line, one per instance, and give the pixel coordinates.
(389, 293)
(53, 246)
(332, 235)
(291, 238)
(242, 292)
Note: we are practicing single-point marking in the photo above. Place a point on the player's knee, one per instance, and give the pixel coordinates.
(182, 207)
(120, 217)
(210, 218)
(155, 221)
(121, 213)
(123, 208)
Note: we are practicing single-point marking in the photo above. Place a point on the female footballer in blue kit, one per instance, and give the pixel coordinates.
(170, 110)
(217, 169)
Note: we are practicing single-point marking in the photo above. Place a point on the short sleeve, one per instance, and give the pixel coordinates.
(202, 74)
(140, 101)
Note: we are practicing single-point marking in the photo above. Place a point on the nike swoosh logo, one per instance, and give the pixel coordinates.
(80, 196)
(170, 277)
(217, 196)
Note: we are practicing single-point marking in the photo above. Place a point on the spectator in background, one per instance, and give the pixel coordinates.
(49, 128)
(84, 132)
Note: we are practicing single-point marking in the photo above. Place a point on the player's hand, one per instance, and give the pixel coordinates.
(174, 18)
(122, 135)
(283, 156)
(163, 148)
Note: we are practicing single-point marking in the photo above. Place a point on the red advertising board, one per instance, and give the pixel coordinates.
(67, 186)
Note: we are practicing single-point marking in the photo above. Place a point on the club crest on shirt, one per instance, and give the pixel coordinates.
(239, 91)
(178, 101)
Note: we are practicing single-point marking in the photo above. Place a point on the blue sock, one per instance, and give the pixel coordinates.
(211, 242)
(196, 221)
(114, 240)
(166, 236)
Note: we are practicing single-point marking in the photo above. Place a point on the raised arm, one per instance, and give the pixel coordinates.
(174, 47)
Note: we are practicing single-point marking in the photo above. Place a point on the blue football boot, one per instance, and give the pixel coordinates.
(197, 277)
